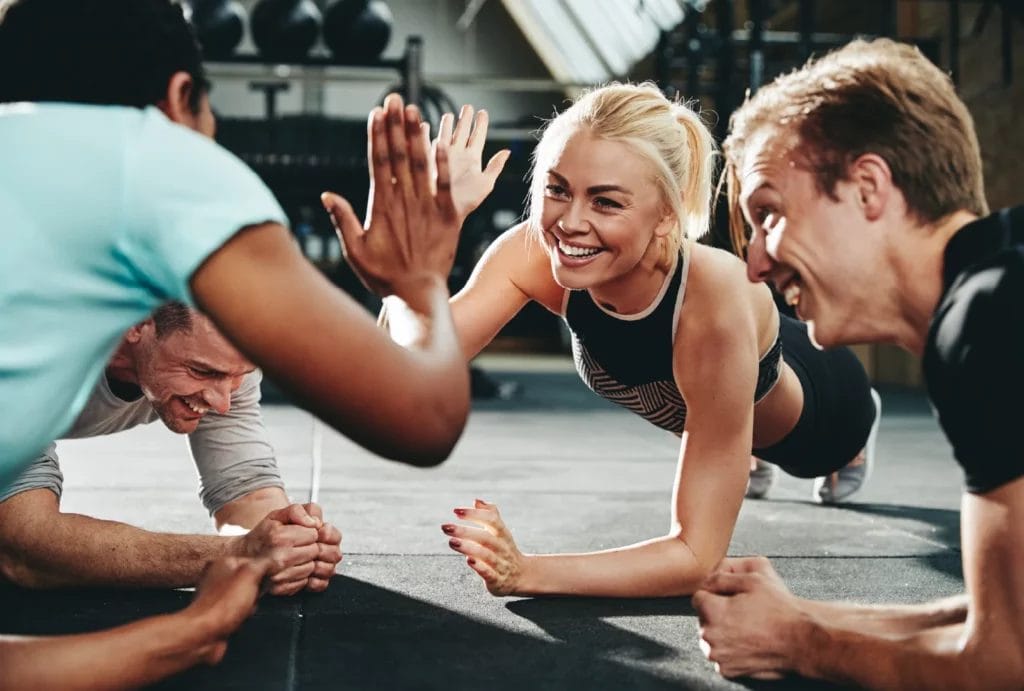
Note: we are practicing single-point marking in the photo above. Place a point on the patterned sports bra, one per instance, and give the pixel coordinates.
(627, 359)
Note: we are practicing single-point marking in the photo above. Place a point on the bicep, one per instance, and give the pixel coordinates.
(494, 292)
(19, 512)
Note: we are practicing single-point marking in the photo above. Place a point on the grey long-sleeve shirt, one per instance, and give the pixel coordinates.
(231, 451)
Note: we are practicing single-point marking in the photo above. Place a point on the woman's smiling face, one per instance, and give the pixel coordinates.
(600, 211)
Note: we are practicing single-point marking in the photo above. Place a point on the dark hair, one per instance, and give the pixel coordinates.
(105, 52)
(881, 97)
(171, 317)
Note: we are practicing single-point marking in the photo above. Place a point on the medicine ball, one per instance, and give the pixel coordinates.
(363, 38)
(285, 30)
(219, 25)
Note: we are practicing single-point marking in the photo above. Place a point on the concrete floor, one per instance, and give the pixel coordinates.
(570, 473)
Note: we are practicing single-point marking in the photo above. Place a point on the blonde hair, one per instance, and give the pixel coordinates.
(668, 134)
(878, 96)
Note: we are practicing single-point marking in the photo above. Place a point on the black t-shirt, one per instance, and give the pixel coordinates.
(974, 356)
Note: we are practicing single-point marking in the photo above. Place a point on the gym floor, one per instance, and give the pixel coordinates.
(569, 472)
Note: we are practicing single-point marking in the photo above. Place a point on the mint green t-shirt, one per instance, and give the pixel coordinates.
(105, 213)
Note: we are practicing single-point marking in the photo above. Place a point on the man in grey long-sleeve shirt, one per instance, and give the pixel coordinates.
(175, 367)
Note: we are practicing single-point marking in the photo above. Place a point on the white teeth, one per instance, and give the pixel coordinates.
(577, 251)
(195, 408)
(792, 294)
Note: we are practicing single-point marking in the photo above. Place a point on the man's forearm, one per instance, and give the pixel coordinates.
(75, 550)
(129, 656)
(890, 620)
(934, 659)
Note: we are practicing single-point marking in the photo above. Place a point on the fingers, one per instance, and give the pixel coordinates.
(444, 130)
(296, 514)
(329, 535)
(299, 572)
(465, 532)
(398, 147)
(443, 181)
(463, 129)
(328, 553)
(705, 602)
(484, 570)
(486, 517)
(344, 219)
(377, 153)
(317, 585)
(314, 510)
(497, 164)
(478, 136)
(746, 565)
(287, 557)
(418, 133)
(726, 583)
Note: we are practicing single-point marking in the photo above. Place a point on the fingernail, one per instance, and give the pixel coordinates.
(471, 561)
(325, 200)
(448, 528)
(455, 542)
(460, 512)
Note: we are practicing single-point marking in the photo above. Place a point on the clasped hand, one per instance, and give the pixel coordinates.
(303, 550)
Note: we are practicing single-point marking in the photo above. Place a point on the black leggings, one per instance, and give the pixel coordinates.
(838, 410)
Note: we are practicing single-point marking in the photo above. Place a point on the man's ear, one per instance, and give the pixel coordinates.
(136, 333)
(176, 104)
(872, 178)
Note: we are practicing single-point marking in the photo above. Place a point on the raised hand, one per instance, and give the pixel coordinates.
(748, 619)
(412, 227)
(290, 539)
(489, 548)
(225, 597)
(470, 183)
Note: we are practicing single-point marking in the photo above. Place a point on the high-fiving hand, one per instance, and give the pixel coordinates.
(412, 227)
(465, 140)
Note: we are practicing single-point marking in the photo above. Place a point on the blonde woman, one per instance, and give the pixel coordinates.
(668, 328)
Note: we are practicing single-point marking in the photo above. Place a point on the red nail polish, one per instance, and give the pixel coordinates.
(448, 529)
(455, 543)
(460, 512)
(471, 561)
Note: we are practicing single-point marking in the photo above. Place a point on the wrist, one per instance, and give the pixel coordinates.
(529, 581)
(808, 638)
(185, 637)
(417, 290)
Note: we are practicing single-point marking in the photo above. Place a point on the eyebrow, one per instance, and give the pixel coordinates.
(596, 189)
(746, 197)
(201, 365)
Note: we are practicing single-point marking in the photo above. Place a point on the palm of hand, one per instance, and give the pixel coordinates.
(471, 181)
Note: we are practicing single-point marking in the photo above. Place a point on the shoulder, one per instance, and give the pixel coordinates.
(520, 255)
(974, 369)
(720, 302)
(982, 312)
(248, 394)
